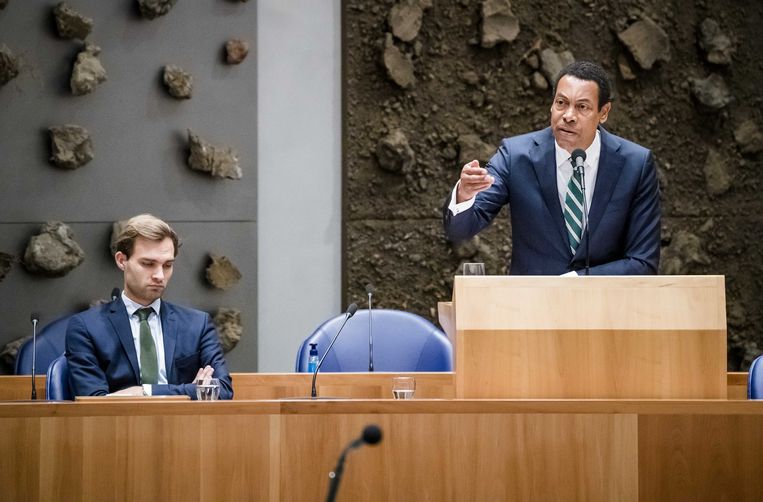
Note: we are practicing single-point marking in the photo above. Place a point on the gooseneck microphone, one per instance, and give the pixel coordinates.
(35, 318)
(351, 309)
(372, 434)
(370, 290)
(578, 165)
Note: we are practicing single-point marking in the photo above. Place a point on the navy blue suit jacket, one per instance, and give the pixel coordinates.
(624, 217)
(102, 358)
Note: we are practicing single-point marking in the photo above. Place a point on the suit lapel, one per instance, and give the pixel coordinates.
(169, 332)
(610, 165)
(543, 159)
(120, 321)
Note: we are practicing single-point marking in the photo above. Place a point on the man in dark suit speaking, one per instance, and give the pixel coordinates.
(533, 174)
(139, 344)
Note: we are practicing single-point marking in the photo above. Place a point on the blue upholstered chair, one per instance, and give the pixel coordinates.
(755, 380)
(402, 342)
(57, 382)
(50, 344)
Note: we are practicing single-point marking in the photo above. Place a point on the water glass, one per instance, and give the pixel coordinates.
(403, 387)
(208, 389)
(474, 269)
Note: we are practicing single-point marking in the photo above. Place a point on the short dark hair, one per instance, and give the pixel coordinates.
(588, 70)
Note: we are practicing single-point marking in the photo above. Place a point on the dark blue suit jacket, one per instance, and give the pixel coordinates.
(624, 217)
(102, 358)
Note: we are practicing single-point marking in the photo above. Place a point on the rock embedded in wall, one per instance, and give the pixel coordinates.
(499, 24)
(9, 65)
(686, 249)
(716, 44)
(70, 146)
(748, 137)
(218, 161)
(471, 147)
(404, 19)
(88, 71)
(151, 9)
(116, 229)
(236, 50)
(178, 82)
(53, 252)
(647, 42)
(399, 66)
(717, 172)
(394, 154)
(70, 23)
(11, 349)
(6, 262)
(229, 327)
(552, 63)
(711, 91)
(221, 272)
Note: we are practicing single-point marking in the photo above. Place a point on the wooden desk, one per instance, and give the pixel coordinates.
(443, 450)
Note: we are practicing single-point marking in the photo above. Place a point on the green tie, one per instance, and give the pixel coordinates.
(149, 367)
(573, 211)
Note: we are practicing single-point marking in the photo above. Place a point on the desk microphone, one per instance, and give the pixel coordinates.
(350, 312)
(372, 434)
(35, 318)
(578, 160)
(370, 290)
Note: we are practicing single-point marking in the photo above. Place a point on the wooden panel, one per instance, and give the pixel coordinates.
(465, 457)
(19, 458)
(592, 364)
(736, 384)
(701, 457)
(602, 302)
(18, 387)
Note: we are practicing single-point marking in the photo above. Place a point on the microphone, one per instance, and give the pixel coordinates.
(35, 318)
(578, 160)
(370, 290)
(372, 434)
(114, 294)
(351, 309)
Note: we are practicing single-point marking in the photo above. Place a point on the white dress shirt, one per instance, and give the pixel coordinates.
(155, 323)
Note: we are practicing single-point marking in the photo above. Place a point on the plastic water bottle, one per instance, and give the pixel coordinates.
(312, 361)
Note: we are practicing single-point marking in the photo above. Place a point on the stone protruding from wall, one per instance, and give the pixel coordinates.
(218, 161)
(229, 328)
(748, 137)
(716, 44)
(394, 153)
(221, 272)
(70, 23)
(88, 71)
(178, 82)
(9, 65)
(53, 252)
(625, 67)
(405, 19)
(151, 9)
(717, 173)
(11, 349)
(552, 63)
(711, 91)
(6, 262)
(685, 250)
(471, 147)
(236, 50)
(116, 229)
(647, 42)
(398, 65)
(70, 146)
(498, 23)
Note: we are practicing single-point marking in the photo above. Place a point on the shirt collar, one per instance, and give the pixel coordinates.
(591, 153)
(132, 306)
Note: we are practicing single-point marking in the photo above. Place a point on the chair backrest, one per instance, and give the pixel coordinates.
(755, 379)
(57, 382)
(50, 344)
(402, 342)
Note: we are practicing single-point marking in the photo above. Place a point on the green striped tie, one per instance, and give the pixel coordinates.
(149, 366)
(573, 211)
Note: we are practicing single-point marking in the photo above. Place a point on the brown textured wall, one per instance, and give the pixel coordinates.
(466, 97)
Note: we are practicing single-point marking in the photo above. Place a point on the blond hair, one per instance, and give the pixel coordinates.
(147, 226)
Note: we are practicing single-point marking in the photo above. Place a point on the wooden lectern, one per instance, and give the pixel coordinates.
(641, 337)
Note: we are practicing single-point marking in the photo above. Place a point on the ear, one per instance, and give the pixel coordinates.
(604, 112)
(120, 258)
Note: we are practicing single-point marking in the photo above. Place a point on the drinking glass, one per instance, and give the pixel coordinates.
(403, 387)
(208, 389)
(474, 269)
